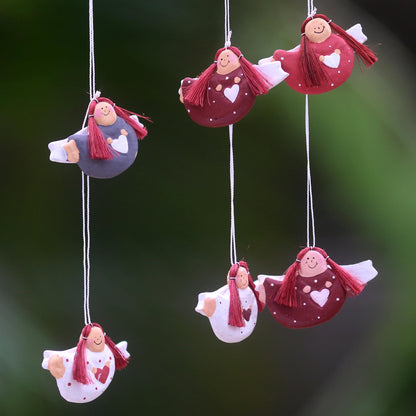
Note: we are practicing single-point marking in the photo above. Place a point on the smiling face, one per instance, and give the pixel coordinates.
(227, 62)
(242, 278)
(317, 30)
(96, 341)
(312, 264)
(104, 114)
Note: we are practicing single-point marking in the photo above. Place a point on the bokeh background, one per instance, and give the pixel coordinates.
(160, 231)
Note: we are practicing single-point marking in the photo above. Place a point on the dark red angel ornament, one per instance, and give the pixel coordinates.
(226, 91)
(313, 289)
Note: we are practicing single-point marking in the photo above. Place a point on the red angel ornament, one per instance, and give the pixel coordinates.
(313, 289)
(325, 58)
(226, 91)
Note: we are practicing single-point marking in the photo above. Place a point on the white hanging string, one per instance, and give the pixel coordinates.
(86, 244)
(311, 9)
(233, 249)
(227, 26)
(86, 237)
(310, 217)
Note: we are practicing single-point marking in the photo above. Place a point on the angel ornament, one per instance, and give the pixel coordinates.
(226, 91)
(84, 372)
(313, 289)
(108, 146)
(325, 58)
(232, 310)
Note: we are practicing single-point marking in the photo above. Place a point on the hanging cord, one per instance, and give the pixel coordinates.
(86, 244)
(86, 237)
(227, 26)
(233, 249)
(310, 217)
(311, 9)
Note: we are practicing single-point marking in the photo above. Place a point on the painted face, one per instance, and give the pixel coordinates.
(317, 30)
(104, 114)
(312, 264)
(227, 62)
(96, 341)
(242, 278)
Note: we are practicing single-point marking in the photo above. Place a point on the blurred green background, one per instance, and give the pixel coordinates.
(160, 231)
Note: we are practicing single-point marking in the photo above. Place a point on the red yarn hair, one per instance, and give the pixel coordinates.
(79, 368)
(312, 70)
(287, 292)
(97, 145)
(198, 92)
(235, 315)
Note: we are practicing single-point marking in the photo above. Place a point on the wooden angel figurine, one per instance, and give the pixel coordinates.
(325, 58)
(108, 146)
(84, 372)
(232, 309)
(225, 92)
(313, 289)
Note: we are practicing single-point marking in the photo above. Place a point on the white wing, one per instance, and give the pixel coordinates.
(58, 153)
(363, 271)
(262, 277)
(122, 346)
(273, 71)
(356, 32)
(213, 295)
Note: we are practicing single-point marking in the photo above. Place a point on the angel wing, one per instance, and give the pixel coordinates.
(363, 271)
(122, 346)
(262, 278)
(273, 71)
(58, 153)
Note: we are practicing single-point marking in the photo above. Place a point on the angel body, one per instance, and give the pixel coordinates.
(99, 361)
(242, 297)
(107, 147)
(325, 59)
(227, 89)
(319, 290)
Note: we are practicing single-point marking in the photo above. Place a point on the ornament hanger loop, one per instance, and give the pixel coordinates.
(227, 26)
(311, 9)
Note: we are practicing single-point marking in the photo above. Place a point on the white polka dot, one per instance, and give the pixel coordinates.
(271, 284)
(210, 119)
(241, 75)
(304, 304)
(282, 58)
(246, 93)
(333, 277)
(330, 46)
(227, 77)
(189, 111)
(319, 317)
(189, 82)
(337, 299)
(234, 112)
(349, 60)
(339, 72)
(209, 88)
(315, 281)
(296, 288)
(213, 101)
(294, 321)
(274, 313)
(300, 85)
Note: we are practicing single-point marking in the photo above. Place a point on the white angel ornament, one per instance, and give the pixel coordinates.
(84, 372)
(232, 309)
